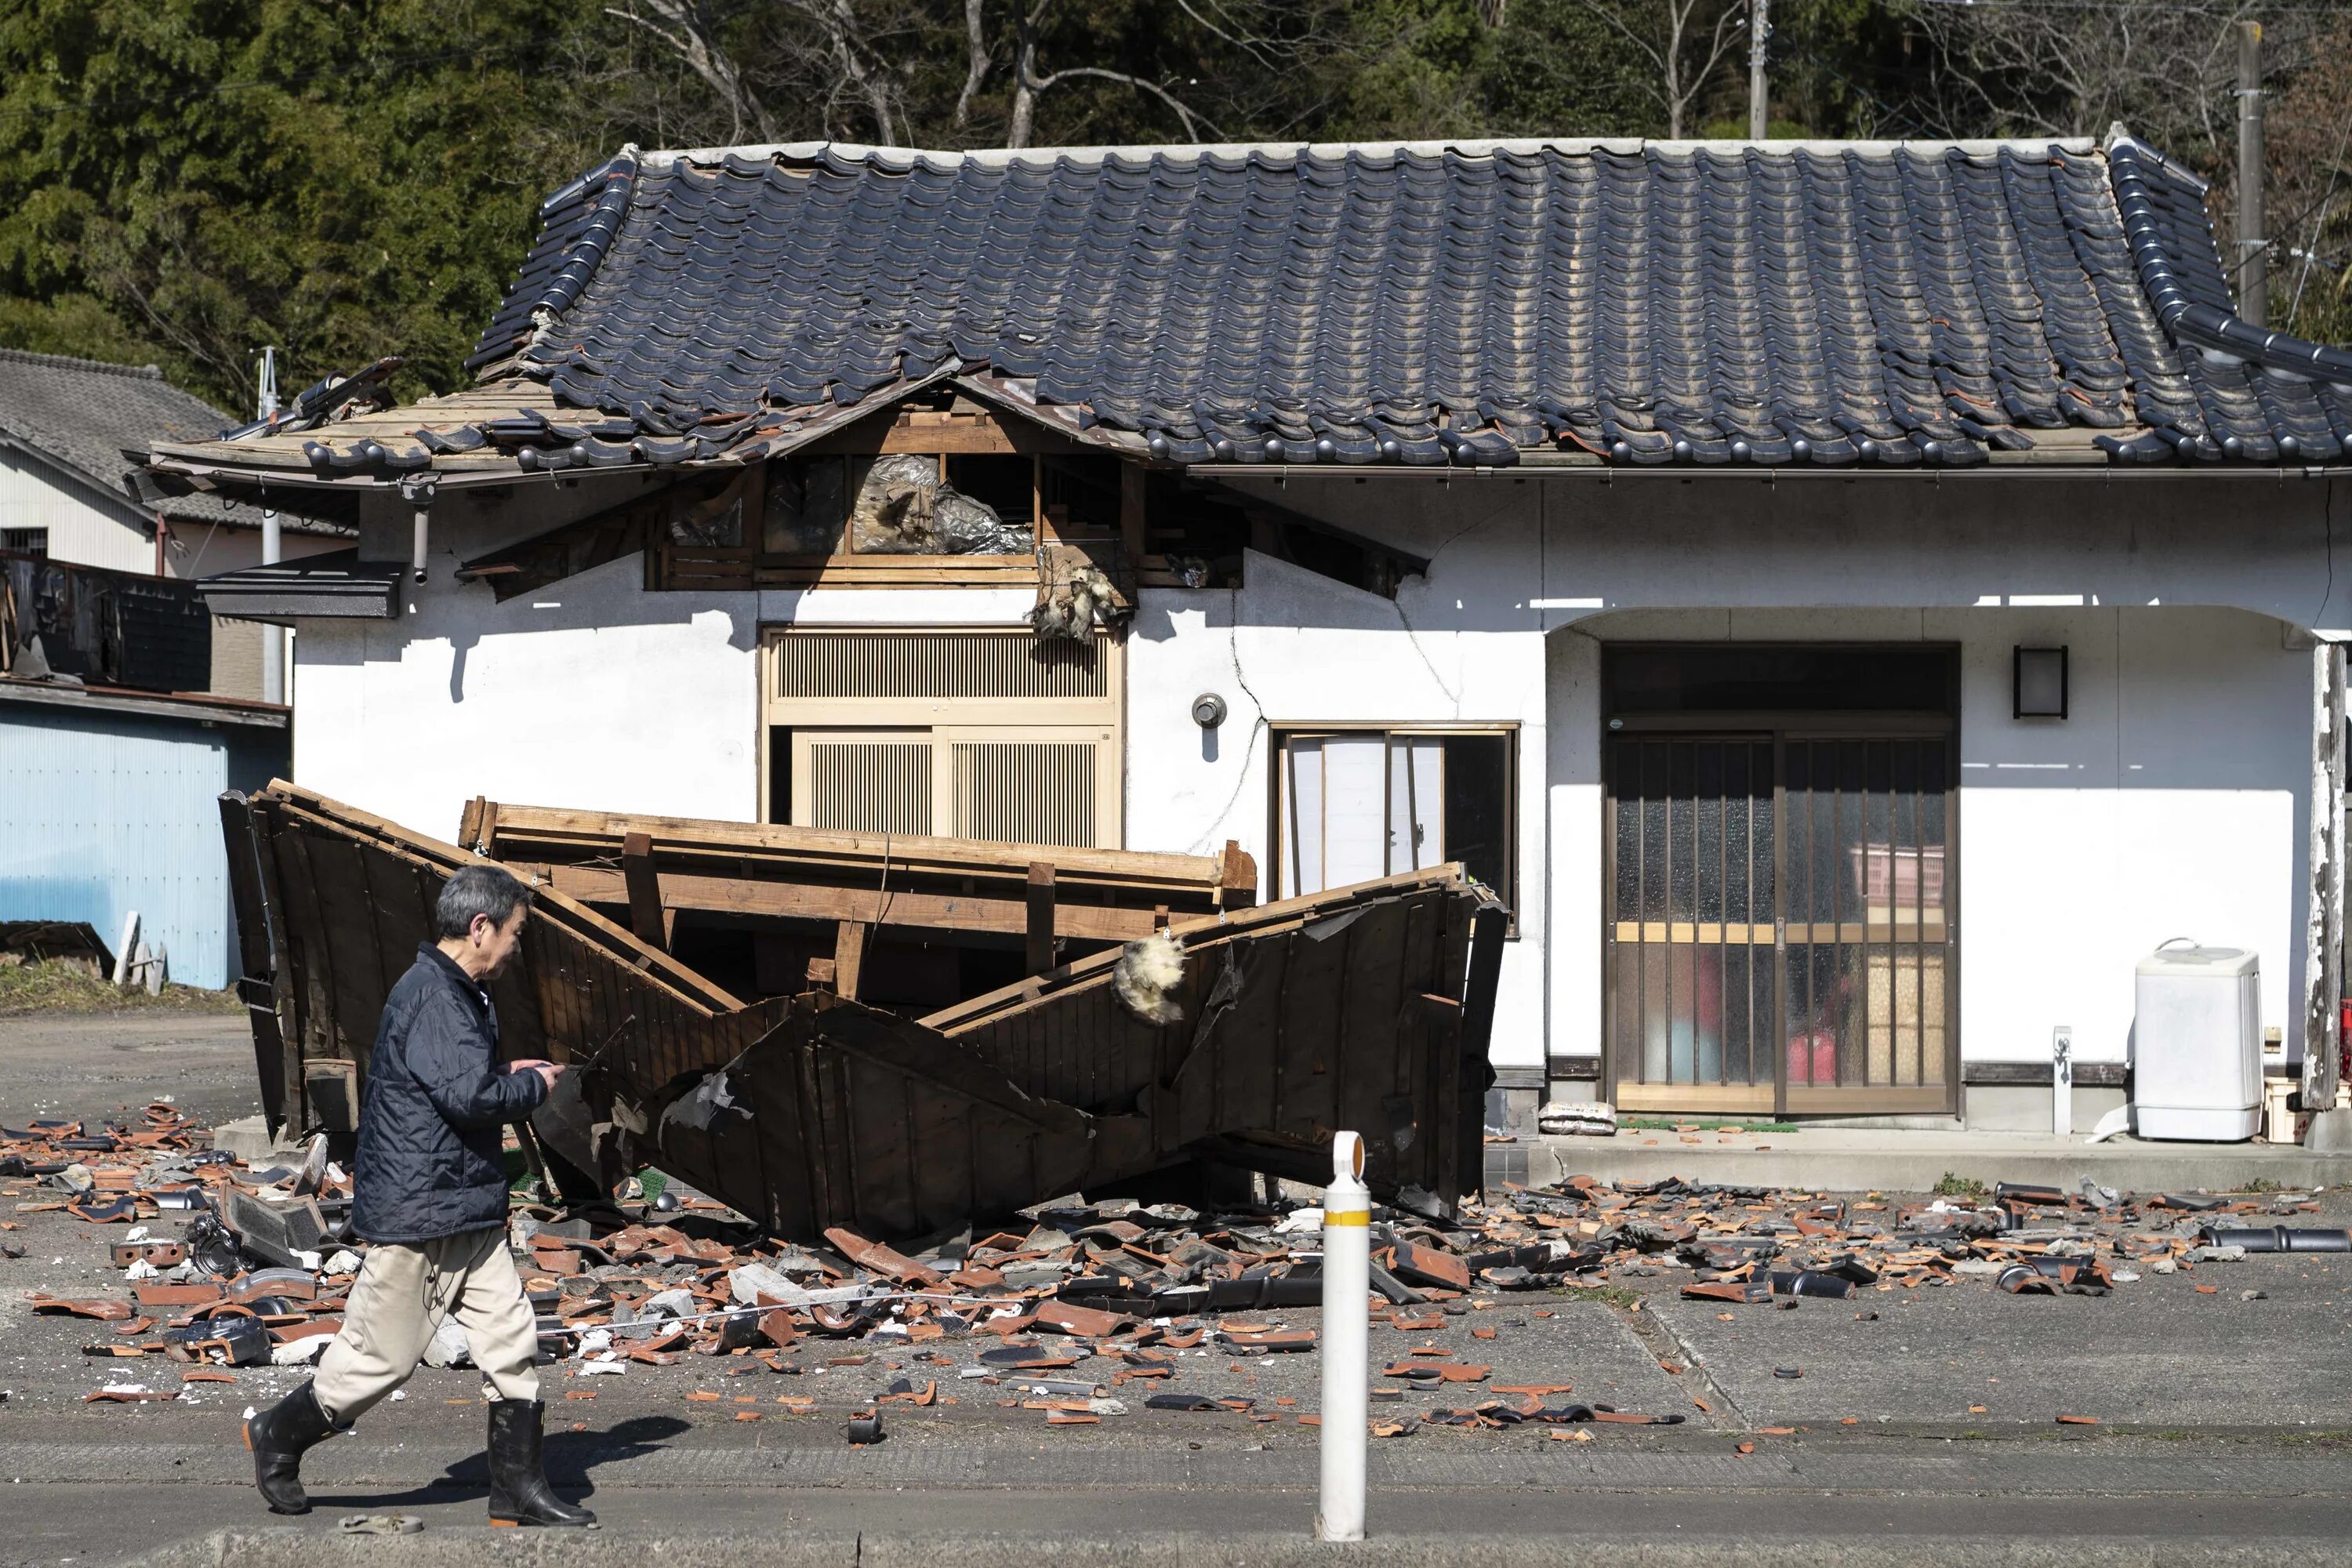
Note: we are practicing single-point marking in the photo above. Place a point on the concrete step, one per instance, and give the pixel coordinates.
(1845, 1159)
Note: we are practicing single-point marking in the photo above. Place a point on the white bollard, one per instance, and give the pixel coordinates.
(2062, 1081)
(1346, 1371)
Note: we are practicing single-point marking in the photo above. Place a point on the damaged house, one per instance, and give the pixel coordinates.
(1848, 602)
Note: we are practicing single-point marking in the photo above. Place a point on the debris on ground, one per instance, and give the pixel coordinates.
(1054, 1311)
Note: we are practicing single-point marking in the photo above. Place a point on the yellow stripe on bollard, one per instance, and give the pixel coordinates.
(1347, 1216)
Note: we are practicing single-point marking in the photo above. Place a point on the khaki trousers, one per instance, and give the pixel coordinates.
(403, 1294)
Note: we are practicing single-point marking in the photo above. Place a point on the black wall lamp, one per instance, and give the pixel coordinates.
(2039, 683)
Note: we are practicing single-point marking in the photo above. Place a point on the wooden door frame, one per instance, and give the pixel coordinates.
(1779, 729)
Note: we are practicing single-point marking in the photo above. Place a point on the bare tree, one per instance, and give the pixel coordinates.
(861, 70)
(2164, 69)
(975, 31)
(685, 29)
(1028, 83)
(1684, 41)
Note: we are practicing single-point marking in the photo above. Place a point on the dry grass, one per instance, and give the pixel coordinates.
(58, 986)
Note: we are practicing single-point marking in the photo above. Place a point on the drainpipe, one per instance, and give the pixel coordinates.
(273, 543)
(273, 638)
(416, 490)
(2253, 248)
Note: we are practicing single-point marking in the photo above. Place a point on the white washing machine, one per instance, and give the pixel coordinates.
(2197, 1044)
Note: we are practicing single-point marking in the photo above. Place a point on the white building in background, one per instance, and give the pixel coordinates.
(1848, 642)
(64, 426)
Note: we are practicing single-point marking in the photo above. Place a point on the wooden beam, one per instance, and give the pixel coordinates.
(643, 890)
(1132, 478)
(469, 823)
(821, 974)
(848, 957)
(947, 434)
(527, 833)
(1041, 917)
(1237, 877)
(799, 900)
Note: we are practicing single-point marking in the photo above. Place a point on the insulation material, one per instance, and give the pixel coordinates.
(903, 507)
(1074, 596)
(1147, 973)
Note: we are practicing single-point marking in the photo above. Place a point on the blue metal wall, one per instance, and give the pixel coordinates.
(103, 813)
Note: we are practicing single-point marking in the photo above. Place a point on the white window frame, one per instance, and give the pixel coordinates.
(1283, 881)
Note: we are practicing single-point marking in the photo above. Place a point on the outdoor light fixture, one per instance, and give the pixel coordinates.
(2040, 683)
(1208, 710)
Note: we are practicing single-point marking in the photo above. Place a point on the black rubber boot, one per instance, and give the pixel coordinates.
(519, 1491)
(278, 1437)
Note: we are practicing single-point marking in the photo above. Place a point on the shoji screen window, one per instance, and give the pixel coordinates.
(969, 734)
(1355, 804)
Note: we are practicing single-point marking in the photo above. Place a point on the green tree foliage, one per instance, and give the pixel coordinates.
(184, 181)
(187, 180)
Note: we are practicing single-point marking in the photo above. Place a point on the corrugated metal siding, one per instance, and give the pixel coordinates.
(109, 812)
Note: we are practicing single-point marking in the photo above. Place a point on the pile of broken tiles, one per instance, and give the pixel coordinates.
(204, 1298)
(1075, 1309)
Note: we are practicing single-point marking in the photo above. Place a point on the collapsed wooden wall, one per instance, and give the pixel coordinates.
(1364, 1007)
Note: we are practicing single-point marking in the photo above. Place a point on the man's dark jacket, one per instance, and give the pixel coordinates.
(429, 1162)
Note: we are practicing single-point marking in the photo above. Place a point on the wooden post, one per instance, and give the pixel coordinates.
(1237, 877)
(1041, 917)
(1133, 538)
(646, 916)
(469, 823)
(849, 957)
(820, 974)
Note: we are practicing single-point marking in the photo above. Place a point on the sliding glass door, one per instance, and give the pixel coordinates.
(1778, 930)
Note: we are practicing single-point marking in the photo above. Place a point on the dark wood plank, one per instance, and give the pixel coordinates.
(1040, 931)
(849, 957)
(645, 890)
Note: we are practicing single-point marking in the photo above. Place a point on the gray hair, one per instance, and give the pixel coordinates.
(477, 890)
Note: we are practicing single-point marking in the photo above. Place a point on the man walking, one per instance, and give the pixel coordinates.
(430, 1199)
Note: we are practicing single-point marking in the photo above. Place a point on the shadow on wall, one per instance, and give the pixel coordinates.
(1481, 541)
(468, 615)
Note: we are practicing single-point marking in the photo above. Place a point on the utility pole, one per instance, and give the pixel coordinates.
(273, 540)
(2253, 245)
(1760, 28)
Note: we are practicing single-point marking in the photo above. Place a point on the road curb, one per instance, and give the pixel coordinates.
(311, 1548)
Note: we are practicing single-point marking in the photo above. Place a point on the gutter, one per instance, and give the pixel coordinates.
(156, 705)
(1608, 473)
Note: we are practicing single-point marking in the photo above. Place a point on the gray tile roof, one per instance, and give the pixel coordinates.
(1908, 304)
(80, 414)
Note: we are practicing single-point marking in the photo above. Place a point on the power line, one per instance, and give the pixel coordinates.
(2334, 171)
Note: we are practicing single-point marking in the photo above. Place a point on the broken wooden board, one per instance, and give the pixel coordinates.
(1357, 1008)
(346, 899)
(1364, 1007)
(947, 886)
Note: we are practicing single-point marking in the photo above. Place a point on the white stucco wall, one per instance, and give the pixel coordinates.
(590, 693)
(1292, 649)
(83, 527)
(2168, 803)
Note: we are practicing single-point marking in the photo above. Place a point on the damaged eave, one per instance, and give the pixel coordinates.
(1325, 548)
(1073, 422)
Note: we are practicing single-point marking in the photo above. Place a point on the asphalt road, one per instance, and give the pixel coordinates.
(1925, 1432)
